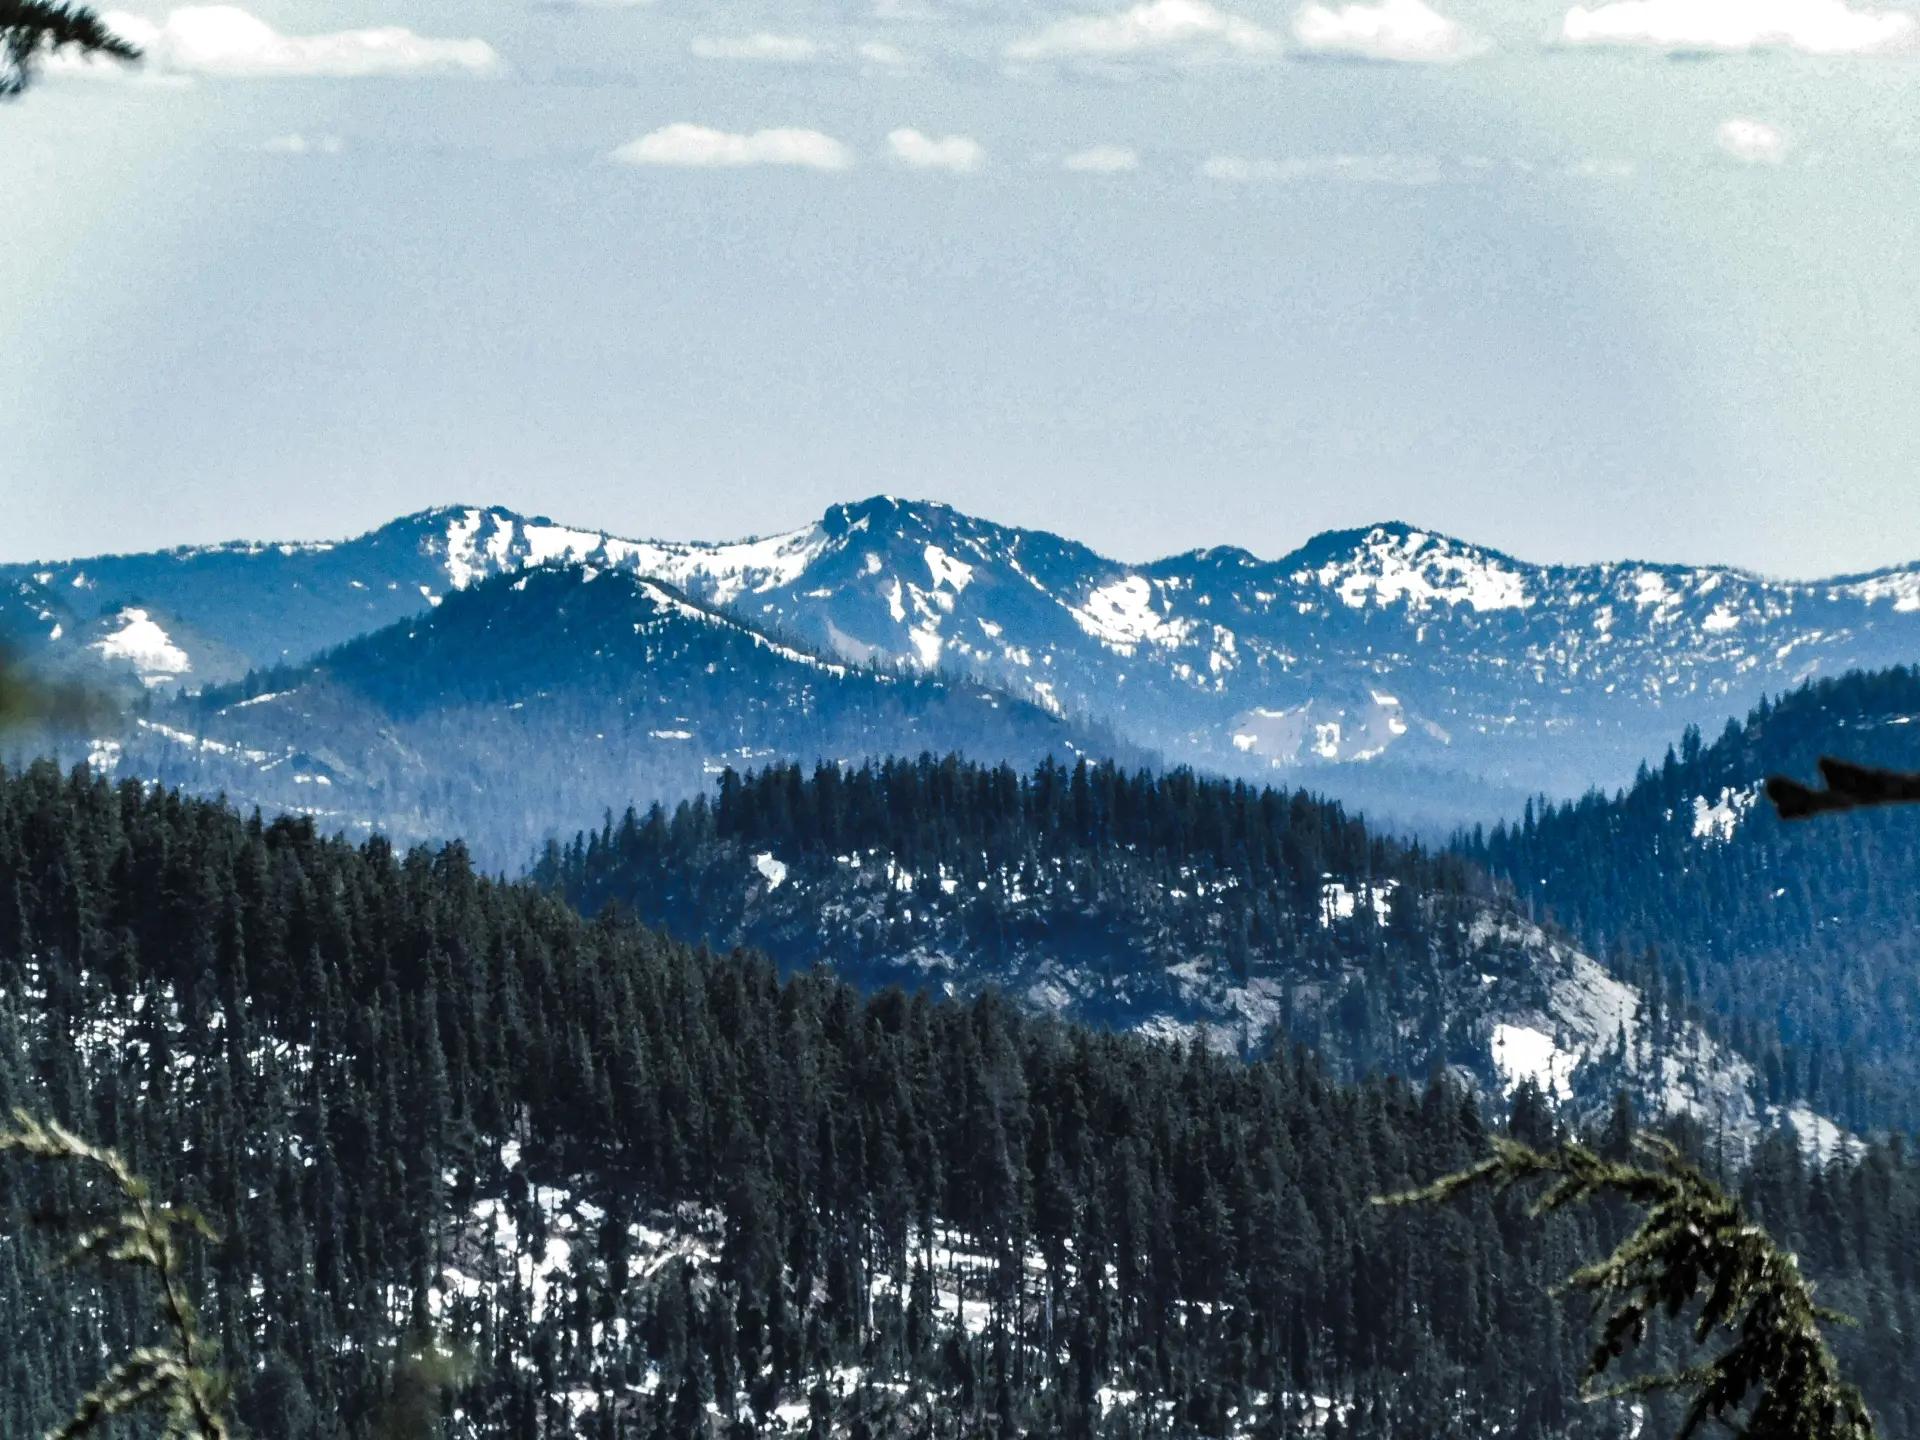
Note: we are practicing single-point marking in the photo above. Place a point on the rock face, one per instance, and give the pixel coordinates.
(1429, 679)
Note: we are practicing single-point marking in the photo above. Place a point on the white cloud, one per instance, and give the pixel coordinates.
(302, 145)
(781, 49)
(1403, 30)
(878, 52)
(1753, 141)
(226, 40)
(959, 153)
(1149, 28)
(1102, 160)
(1361, 169)
(1814, 27)
(700, 147)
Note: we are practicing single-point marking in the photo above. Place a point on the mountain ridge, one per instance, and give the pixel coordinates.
(1414, 673)
(1314, 543)
(538, 699)
(1175, 906)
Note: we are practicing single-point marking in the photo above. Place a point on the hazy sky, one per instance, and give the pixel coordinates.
(1640, 278)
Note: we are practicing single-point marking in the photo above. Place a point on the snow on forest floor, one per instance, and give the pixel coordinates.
(550, 1248)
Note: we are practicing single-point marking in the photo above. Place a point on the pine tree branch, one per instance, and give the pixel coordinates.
(1777, 1380)
(1848, 787)
(32, 28)
(172, 1378)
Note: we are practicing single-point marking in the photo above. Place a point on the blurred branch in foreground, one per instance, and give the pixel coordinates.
(1778, 1380)
(170, 1378)
(1848, 787)
(30, 699)
(32, 29)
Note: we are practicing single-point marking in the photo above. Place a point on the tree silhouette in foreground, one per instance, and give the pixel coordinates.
(1848, 787)
(170, 1378)
(30, 29)
(1778, 1380)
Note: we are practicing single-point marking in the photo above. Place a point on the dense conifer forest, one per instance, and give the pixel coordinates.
(1208, 866)
(1174, 903)
(1802, 940)
(655, 1191)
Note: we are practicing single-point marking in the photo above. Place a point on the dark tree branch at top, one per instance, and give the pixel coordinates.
(32, 28)
(1848, 787)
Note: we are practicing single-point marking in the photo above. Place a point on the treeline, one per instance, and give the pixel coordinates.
(1234, 871)
(347, 1057)
(1801, 940)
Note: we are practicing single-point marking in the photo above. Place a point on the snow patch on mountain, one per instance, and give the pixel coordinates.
(1719, 820)
(1421, 570)
(771, 870)
(140, 642)
(1341, 901)
(956, 575)
(1522, 1053)
(476, 543)
(1902, 587)
(467, 562)
(1122, 614)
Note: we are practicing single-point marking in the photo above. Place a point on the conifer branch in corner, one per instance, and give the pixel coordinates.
(30, 29)
(169, 1378)
(1848, 787)
(1778, 1380)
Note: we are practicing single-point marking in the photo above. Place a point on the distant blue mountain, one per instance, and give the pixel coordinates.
(527, 705)
(1422, 676)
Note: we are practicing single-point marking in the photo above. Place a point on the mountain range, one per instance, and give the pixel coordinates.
(1430, 679)
(1414, 672)
(528, 702)
(472, 674)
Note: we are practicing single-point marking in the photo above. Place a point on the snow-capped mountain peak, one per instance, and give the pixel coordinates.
(1398, 563)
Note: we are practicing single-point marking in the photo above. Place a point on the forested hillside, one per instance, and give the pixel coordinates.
(1803, 939)
(1174, 904)
(657, 1192)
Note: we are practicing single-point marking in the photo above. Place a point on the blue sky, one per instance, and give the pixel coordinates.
(1634, 278)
